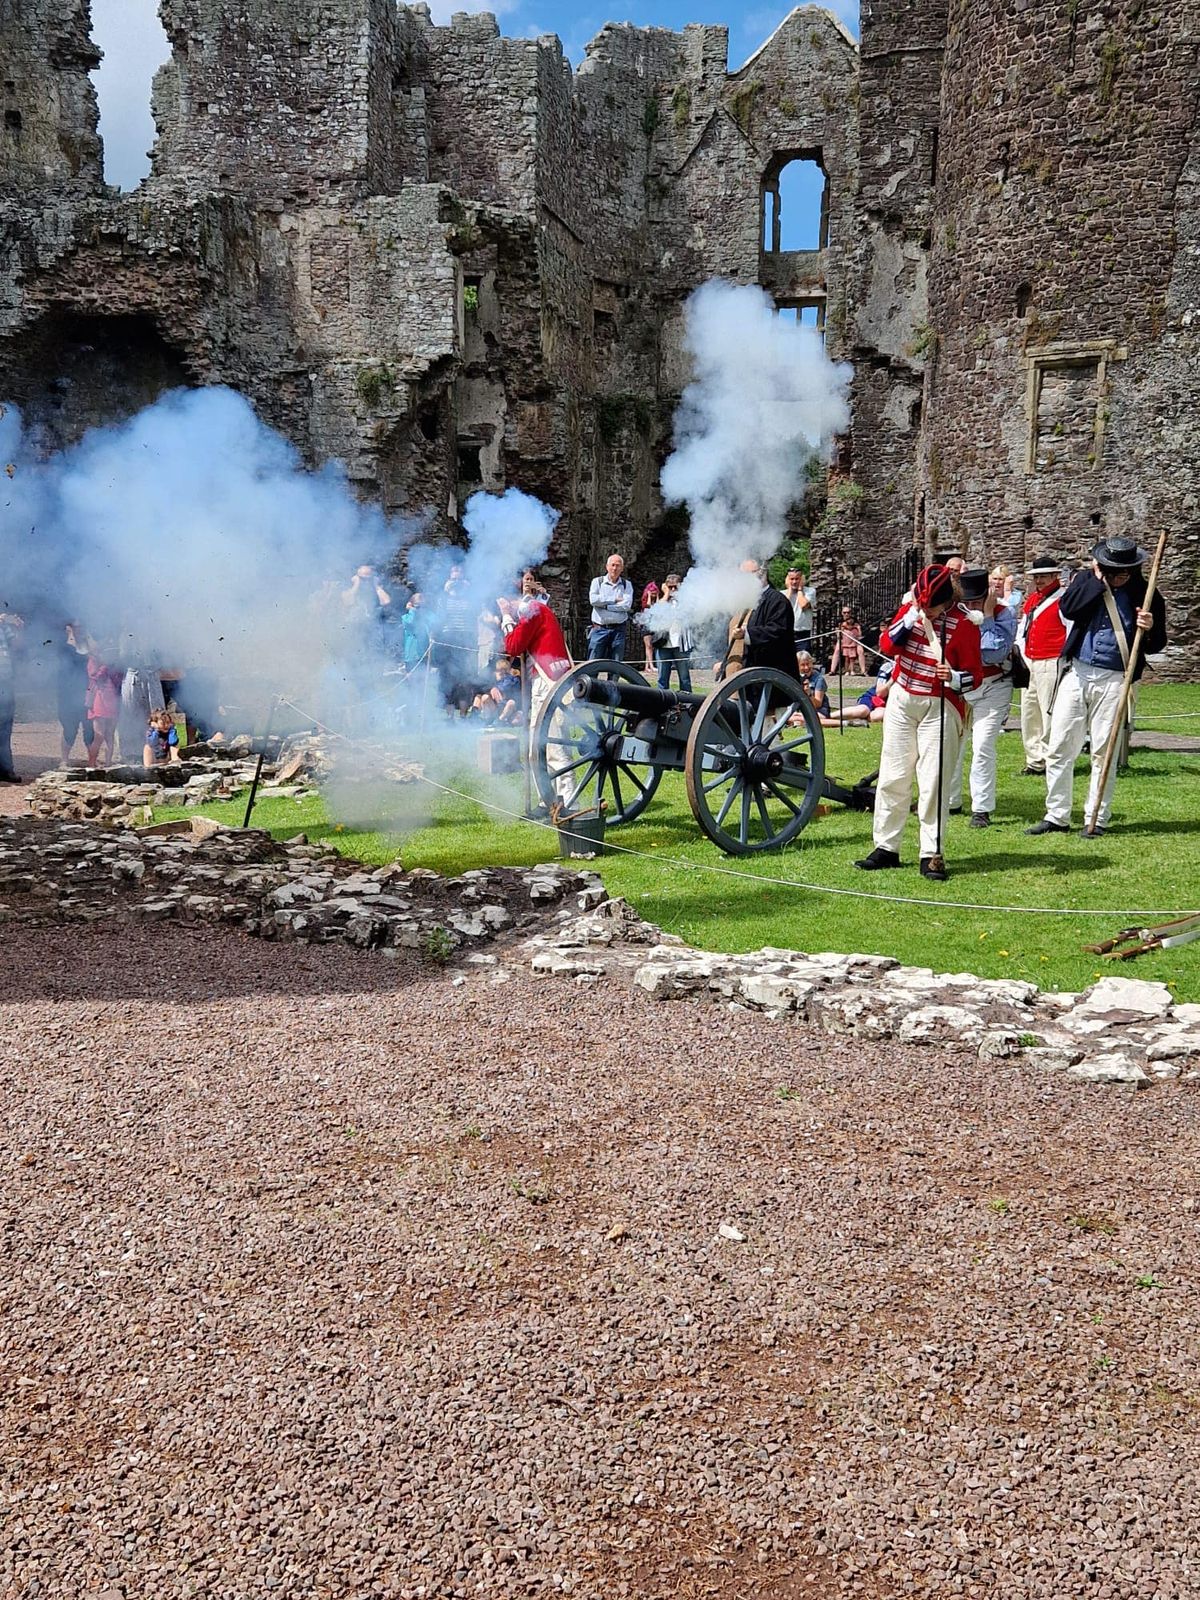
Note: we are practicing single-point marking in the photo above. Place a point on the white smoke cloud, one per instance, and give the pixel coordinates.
(191, 535)
(192, 538)
(763, 400)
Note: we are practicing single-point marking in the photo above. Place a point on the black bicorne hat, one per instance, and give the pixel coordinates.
(1042, 566)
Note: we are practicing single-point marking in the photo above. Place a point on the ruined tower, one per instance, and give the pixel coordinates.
(1063, 374)
(435, 254)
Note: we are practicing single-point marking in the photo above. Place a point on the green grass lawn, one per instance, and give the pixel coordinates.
(1149, 862)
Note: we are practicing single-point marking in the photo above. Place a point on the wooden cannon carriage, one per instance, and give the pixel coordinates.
(753, 752)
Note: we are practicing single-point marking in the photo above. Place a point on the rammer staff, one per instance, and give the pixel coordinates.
(1135, 651)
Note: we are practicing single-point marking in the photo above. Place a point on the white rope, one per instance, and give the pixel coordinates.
(756, 877)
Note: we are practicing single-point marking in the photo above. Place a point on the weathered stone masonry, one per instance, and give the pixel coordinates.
(450, 261)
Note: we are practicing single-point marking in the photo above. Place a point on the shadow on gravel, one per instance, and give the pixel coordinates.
(177, 964)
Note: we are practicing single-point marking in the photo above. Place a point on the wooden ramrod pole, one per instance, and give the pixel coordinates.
(1114, 738)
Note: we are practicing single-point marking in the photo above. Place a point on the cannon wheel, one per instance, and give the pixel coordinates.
(577, 750)
(753, 779)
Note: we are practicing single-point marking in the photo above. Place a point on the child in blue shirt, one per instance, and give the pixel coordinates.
(162, 740)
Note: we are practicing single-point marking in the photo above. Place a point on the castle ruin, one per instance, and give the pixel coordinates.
(448, 260)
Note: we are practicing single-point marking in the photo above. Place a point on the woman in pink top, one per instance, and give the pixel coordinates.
(102, 707)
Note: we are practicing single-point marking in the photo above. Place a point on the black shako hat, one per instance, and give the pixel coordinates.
(1043, 566)
(973, 583)
(1118, 555)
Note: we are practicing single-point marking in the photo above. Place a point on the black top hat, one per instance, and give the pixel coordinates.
(1044, 564)
(973, 583)
(1118, 555)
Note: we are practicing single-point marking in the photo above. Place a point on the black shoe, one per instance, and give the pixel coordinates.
(934, 867)
(955, 811)
(10, 777)
(980, 819)
(1032, 772)
(1099, 831)
(1046, 826)
(878, 860)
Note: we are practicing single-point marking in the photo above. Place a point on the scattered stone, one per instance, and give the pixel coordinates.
(1110, 1068)
(1126, 998)
(873, 998)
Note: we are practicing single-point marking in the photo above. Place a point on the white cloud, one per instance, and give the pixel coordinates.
(442, 10)
(134, 45)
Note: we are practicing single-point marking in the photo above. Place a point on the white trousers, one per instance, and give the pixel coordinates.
(540, 690)
(989, 708)
(1037, 700)
(910, 749)
(1084, 708)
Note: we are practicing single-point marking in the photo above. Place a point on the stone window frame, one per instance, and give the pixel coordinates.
(1069, 354)
(771, 217)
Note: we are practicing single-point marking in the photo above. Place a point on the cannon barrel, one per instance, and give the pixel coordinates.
(642, 698)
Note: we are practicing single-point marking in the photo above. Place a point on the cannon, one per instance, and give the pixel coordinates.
(752, 752)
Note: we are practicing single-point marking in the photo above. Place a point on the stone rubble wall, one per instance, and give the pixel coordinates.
(201, 872)
(1120, 1031)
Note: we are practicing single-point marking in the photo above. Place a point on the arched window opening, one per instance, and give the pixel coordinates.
(1024, 296)
(795, 204)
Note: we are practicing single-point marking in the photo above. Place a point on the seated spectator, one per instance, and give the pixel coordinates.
(812, 680)
(870, 706)
(502, 702)
(162, 740)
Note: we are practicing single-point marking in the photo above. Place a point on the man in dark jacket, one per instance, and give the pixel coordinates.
(770, 628)
(1103, 607)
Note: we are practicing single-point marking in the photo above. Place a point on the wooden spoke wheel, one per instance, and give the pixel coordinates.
(755, 762)
(583, 754)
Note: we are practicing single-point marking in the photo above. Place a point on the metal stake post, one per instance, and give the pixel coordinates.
(258, 765)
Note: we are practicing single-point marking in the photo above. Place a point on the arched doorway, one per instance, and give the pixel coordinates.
(77, 370)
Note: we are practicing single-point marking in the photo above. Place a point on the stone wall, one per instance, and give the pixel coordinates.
(275, 100)
(900, 90)
(48, 138)
(1064, 350)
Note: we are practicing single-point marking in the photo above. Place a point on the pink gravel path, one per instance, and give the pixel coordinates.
(329, 1277)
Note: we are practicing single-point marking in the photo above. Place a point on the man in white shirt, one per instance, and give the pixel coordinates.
(802, 597)
(612, 602)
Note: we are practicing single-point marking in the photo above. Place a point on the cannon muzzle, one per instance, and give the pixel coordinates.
(641, 698)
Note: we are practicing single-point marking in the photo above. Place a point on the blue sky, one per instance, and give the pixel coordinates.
(129, 33)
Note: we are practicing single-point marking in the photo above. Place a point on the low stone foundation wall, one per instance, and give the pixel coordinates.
(1121, 1030)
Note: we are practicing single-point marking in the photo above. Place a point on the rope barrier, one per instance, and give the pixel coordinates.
(756, 877)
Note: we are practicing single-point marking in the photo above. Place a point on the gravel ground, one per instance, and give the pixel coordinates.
(329, 1276)
(36, 748)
